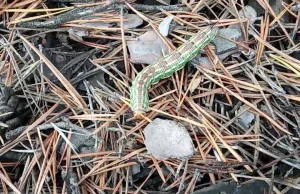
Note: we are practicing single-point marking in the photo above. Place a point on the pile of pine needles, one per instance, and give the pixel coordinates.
(266, 85)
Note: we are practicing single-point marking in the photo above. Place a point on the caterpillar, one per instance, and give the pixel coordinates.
(164, 68)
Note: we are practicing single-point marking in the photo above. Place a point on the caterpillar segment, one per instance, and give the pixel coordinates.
(164, 68)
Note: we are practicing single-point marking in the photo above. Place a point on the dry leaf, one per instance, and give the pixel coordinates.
(195, 83)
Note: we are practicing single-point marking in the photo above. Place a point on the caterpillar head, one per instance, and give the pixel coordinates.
(139, 112)
(139, 115)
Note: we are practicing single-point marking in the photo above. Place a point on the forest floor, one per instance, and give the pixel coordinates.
(227, 122)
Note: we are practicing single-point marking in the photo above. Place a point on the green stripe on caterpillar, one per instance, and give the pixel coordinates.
(165, 67)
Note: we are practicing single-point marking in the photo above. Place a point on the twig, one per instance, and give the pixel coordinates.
(12, 134)
(78, 13)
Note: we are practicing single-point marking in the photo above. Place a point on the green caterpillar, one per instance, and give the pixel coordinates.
(164, 68)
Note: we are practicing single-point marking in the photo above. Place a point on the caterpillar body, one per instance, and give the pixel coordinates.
(164, 68)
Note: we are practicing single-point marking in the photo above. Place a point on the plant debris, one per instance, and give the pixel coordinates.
(66, 68)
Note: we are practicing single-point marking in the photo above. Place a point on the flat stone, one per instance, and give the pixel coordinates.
(147, 49)
(131, 21)
(224, 45)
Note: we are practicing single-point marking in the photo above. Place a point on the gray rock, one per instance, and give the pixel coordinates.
(164, 26)
(229, 188)
(248, 12)
(222, 44)
(166, 139)
(133, 21)
(255, 5)
(147, 49)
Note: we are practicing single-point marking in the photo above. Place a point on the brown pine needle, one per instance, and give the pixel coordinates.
(75, 88)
